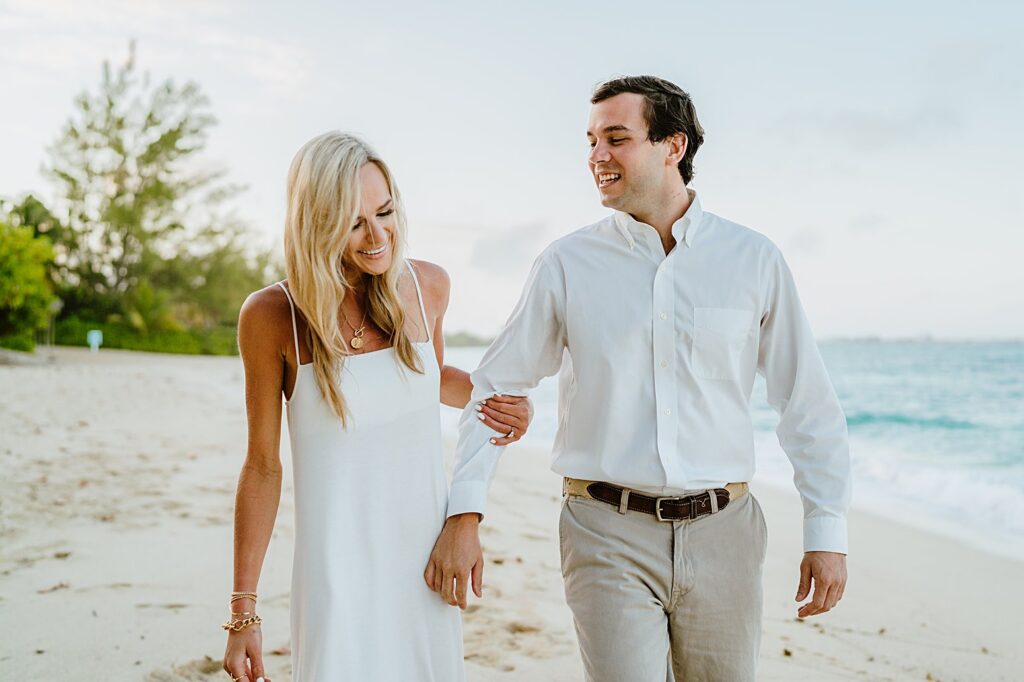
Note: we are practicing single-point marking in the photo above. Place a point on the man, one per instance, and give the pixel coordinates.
(665, 312)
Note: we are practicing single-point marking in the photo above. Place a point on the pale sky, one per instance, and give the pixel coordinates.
(878, 144)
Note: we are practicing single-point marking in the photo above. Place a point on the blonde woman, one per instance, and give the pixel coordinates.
(353, 341)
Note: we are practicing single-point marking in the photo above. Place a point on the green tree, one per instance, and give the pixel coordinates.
(141, 215)
(25, 290)
(31, 212)
(220, 278)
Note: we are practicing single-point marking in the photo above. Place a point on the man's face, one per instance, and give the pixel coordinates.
(627, 169)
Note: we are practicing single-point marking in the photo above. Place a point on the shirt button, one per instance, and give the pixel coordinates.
(668, 412)
(663, 316)
(664, 363)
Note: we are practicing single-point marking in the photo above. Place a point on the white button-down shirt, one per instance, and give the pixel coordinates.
(660, 357)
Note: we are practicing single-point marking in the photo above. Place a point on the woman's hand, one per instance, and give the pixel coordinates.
(509, 415)
(243, 658)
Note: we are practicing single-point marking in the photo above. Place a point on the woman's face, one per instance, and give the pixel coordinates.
(370, 248)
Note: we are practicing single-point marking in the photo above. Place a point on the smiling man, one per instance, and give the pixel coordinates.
(666, 313)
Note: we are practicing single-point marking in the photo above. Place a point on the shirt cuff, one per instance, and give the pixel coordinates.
(466, 497)
(825, 534)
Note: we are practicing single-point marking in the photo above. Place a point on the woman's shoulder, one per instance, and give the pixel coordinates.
(268, 302)
(431, 276)
(434, 283)
(265, 312)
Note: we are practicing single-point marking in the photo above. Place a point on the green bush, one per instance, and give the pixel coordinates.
(216, 341)
(25, 343)
(25, 294)
(221, 340)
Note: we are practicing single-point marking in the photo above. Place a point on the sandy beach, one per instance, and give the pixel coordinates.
(115, 550)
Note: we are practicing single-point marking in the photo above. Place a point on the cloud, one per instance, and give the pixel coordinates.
(953, 84)
(169, 33)
(137, 14)
(865, 222)
(509, 252)
(971, 69)
(805, 240)
(867, 130)
(283, 67)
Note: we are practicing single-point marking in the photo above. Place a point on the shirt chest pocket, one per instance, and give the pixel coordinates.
(719, 337)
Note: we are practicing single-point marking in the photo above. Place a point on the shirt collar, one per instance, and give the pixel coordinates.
(684, 229)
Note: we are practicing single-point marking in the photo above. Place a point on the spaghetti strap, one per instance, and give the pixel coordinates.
(419, 296)
(295, 329)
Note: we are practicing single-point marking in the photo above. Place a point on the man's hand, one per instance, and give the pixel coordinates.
(457, 557)
(828, 572)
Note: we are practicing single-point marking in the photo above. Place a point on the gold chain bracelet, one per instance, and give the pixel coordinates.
(238, 625)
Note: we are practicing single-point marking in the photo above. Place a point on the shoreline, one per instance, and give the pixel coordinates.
(882, 506)
(115, 519)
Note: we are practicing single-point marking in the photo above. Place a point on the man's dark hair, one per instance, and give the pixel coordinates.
(668, 111)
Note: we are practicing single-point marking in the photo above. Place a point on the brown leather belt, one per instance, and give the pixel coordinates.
(663, 508)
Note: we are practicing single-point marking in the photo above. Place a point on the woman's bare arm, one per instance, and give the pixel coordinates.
(456, 388)
(259, 483)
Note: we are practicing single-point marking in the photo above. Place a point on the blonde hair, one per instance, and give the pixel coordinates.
(323, 206)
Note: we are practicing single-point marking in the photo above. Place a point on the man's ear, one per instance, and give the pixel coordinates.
(676, 148)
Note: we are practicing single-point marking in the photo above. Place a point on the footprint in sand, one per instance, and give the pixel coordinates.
(198, 670)
(534, 536)
(492, 634)
(208, 668)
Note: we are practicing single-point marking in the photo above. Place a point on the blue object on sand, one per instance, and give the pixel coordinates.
(94, 337)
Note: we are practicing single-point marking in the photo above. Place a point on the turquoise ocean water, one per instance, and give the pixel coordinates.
(936, 433)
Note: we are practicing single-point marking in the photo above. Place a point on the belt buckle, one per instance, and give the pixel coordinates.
(657, 507)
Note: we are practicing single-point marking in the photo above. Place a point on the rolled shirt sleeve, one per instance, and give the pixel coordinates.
(812, 428)
(529, 348)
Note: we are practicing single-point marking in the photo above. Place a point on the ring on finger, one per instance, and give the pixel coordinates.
(511, 434)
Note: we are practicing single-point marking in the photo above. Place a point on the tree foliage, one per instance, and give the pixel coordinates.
(142, 230)
(25, 289)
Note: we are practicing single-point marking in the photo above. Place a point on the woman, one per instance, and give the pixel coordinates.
(353, 340)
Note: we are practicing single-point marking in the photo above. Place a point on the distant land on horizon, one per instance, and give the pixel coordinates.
(458, 339)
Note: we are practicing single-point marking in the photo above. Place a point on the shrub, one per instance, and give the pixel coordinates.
(216, 341)
(25, 294)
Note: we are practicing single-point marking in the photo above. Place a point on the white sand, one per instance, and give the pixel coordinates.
(115, 550)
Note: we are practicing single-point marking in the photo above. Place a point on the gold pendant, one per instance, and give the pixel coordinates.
(356, 342)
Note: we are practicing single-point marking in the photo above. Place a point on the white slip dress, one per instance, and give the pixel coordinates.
(370, 501)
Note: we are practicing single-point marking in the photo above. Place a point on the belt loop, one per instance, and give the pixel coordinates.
(565, 486)
(624, 501)
(714, 501)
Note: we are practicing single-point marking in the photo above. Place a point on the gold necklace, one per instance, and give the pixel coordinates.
(357, 334)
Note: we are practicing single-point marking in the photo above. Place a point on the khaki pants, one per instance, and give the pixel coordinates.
(645, 592)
